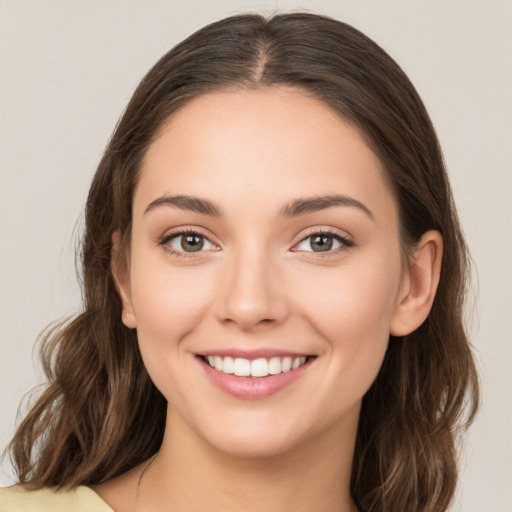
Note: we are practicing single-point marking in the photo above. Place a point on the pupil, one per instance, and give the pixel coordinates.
(192, 243)
(321, 243)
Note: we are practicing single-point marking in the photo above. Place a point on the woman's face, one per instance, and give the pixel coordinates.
(264, 236)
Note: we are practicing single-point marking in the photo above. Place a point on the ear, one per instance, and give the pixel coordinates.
(121, 274)
(419, 285)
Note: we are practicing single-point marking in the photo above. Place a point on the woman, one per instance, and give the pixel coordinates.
(274, 280)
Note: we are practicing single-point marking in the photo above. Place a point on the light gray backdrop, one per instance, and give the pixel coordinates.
(67, 69)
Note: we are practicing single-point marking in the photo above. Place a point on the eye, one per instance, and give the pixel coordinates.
(187, 242)
(323, 242)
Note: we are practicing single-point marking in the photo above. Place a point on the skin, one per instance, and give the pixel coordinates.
(259, 282)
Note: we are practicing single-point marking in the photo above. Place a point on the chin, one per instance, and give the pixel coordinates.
(252, 446)
(259, 436)
(251, 435)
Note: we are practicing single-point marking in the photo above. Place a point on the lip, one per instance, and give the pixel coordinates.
(249, 387)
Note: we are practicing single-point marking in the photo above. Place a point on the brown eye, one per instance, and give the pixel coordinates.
(191, 243)
(321, 243)
(187, 242)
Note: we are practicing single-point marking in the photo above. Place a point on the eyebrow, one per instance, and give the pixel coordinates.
(300, 206)
(194, 204)
(305, 205)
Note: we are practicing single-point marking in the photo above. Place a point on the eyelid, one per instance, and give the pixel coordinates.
(345, 241)
(183, 231)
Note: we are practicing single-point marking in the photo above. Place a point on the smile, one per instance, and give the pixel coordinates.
(256, 368)
(254, 374)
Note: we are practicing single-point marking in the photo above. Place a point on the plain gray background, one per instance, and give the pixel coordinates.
(68, 68)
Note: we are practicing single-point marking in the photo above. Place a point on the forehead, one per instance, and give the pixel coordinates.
(270, 144)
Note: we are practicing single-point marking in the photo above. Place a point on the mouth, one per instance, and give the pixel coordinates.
(255, 368)
(256, 373)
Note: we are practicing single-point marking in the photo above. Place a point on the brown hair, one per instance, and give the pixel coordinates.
(100, 414)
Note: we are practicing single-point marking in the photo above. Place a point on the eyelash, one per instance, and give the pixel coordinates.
(345, 243)
(164, 241)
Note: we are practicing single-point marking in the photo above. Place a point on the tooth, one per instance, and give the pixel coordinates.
(242, 367)
(274, 366)
(259, 368)
(286, 365)
(227, 365)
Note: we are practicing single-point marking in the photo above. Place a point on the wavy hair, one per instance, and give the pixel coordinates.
(101, 415)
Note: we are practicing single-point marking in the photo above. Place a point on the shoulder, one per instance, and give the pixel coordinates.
(79, 499)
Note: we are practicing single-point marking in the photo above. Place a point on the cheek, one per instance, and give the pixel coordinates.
(358, 297)
(168, 305)
(353, 314)
(168, 302)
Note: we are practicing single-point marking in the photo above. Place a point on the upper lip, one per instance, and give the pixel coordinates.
(251, 354)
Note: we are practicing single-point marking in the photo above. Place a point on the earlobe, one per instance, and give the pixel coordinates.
(120, 274)
(419, 286)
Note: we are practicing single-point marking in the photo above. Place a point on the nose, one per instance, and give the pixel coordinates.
(252, 292)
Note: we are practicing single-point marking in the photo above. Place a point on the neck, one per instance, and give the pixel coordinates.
(192, 475)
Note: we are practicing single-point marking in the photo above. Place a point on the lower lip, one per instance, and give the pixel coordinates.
(248, 387)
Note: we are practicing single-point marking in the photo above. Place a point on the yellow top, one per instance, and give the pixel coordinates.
(80, 499)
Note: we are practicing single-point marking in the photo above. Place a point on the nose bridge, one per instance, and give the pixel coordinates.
(250, 292)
